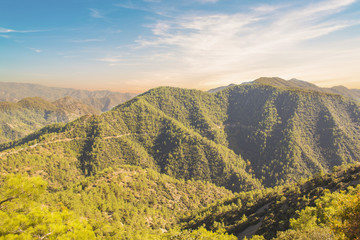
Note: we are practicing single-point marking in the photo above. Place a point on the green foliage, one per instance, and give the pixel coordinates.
(19, 119)
(235, 138)
(129, 199)
(129, 203)
(24, 216)
(199, 234)
(315, 233)
(271, 209)
(256, 237)
(338, 211)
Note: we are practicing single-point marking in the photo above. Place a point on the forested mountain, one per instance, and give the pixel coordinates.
(282, 133)
(299, 84)
(22, 118)
(277, 134)
(100, 100)
(286, 134)
(135, 133)
(136, 170)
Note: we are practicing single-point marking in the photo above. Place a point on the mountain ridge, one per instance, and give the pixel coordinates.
(102, 100)
(277, 135)
(298, 84)
(30, 114)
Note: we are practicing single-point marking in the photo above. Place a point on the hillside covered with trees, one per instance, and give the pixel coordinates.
(29, 114)
(181, 164)
(235, 138)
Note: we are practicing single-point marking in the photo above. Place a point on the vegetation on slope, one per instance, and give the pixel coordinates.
(277, 135)
(283, 133)
(25, 215)
(334, 216)
(22, 118)
(135, 133)
(134, 171)
(127, 203)
(266, 212)
(288, 134)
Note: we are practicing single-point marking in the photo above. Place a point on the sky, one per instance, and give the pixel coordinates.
(135, 45)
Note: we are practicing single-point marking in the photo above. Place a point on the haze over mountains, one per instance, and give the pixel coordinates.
(29, 114)
(299, 84)
(129, 170)
(29, 107)
(102, 100)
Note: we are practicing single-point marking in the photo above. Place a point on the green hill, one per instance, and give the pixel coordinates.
(287, 134)
(134, 133)
(277, 134)
(22, 118)
(284, 133)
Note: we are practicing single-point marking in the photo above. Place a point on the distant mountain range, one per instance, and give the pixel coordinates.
(299, 84)
(24, 117)
(101, 100)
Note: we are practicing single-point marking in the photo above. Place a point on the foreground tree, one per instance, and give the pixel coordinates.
(24, 215)
(336, 216)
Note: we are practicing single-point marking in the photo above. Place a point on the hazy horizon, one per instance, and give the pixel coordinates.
(142, 91)
(133, 46)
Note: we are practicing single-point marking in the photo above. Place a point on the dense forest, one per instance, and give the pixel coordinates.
(177, 163)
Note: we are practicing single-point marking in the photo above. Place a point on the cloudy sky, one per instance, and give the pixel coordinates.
(134, 45)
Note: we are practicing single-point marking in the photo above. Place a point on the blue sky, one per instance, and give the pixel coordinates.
(128, 45)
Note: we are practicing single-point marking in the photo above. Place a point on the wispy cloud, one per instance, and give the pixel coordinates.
(207, 1)
(36, 50)
(223, 44)
(7, 30)
(268, 8)
(109, 60)
(88, 40)
(95, 13)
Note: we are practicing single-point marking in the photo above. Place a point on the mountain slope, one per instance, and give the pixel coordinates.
(20, 119)
(101, 100)
(284, 134)
(134, 133)
(130, 201)
(265, 212)
(275, 133)
(287, 134)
